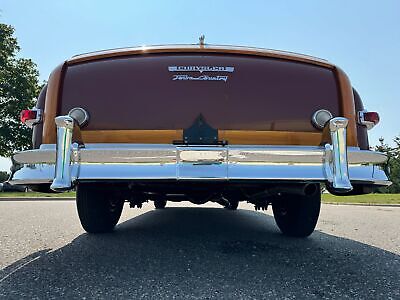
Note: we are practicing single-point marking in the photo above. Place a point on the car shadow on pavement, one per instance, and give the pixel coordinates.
(205, 253)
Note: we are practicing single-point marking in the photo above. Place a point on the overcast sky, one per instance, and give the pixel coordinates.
(362, 37)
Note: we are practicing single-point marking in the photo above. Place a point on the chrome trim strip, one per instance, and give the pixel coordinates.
(37, 156)
(191, 47)
(62, 180)
(170, 162)
(163, 153)
(44, 173)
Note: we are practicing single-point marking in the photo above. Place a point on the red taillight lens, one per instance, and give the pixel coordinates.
(368, 118)
(28, 114)
(371, 116)
(31, 117)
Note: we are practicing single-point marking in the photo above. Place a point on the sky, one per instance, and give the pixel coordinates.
(361, 37)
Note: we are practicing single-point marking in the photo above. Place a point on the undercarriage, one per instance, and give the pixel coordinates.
(228, 195)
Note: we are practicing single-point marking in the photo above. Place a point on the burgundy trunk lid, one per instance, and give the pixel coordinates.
(169, 91)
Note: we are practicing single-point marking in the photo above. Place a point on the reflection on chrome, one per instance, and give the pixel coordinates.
(62, 180)
(340, 172)
(65, 163)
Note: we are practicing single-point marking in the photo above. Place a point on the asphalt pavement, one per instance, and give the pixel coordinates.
(197, 252)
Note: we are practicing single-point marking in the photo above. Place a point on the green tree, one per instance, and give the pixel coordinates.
(392, 166)
(3, 176)
(19, 85)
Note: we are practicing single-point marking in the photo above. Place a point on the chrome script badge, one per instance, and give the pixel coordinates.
(202, 77)
(201, 69)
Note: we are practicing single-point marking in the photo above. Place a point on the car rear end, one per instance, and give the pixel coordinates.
(203, 122)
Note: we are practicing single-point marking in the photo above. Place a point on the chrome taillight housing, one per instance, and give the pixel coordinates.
(80, 115)
(368, 118)
(31, 117)
(320, 118)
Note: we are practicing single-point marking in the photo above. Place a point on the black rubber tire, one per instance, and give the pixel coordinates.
(160, 203)
(98, 210)
(297, 215)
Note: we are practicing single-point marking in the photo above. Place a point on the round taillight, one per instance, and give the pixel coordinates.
(80, 115)
(372, 116)
(321, 117)
(368, 118)
(28, 114)
(31, 117)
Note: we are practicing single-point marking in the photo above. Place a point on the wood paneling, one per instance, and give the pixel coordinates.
(233, 136)
(131, 136)
(51, 105)
(167, 136)
(240, 137)
(347, 106)
(195, 48)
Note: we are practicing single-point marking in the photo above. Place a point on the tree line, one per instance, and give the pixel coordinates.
(19, 87)
(392, 166)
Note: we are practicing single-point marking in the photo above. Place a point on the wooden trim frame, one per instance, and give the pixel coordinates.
(51, 105)
(347, 106)
(244, 137)
(235, 137)
(346, 102)
(197, 48)
(131, 136)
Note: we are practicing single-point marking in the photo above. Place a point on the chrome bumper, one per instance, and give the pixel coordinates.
(64, 164)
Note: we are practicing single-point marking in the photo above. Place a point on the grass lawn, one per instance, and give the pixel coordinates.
(363, 199)
(326, 198)
(34, 194)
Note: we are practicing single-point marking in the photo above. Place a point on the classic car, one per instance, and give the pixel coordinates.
(199, 123)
